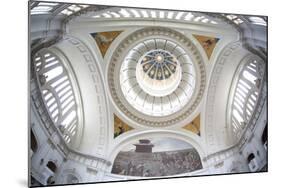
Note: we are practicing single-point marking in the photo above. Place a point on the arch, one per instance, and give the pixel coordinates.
(215, 124)
(60, 93)
(245, 94)
(52, 166)
(250, 157)
(89, 76)
(134, 136)
(51, 180)
(187, 158)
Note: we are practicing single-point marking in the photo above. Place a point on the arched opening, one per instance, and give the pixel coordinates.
(246, 93)
(250, 158)
(252, 162)
(52, 166)
(33, 140)
(264, 137)
(58, 92)
(51, 180)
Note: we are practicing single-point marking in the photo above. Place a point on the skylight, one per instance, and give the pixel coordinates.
(136, 14)
(189, 16)
(258, 20)
(179, 15)
(124, 12)
(43, 8)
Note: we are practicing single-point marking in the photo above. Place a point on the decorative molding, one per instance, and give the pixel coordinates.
(99, 87)
(212, 90)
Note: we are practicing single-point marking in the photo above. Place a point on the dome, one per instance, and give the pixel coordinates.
(159, 76)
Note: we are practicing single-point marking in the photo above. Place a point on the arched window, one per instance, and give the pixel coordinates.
(264, 137)
(34, 145)
(245, 95)
(252, 162)
(52, 166)
(51, 180)
(258, 20)
(58, 93)
(250, 158)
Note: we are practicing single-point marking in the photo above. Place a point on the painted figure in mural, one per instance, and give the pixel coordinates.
(101, 39)
(120, 130)
(208, 43)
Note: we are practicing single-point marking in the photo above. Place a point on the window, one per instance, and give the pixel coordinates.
(51, 180)
(73, 9)
(150, 13)
(246, 95)
(52, 166)
(252, 162)
(124, 13)
(250, 158)
(57, 92)
(136, 13)
(258, 20)
(43, 8)
(179, 15)
(231, 17)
